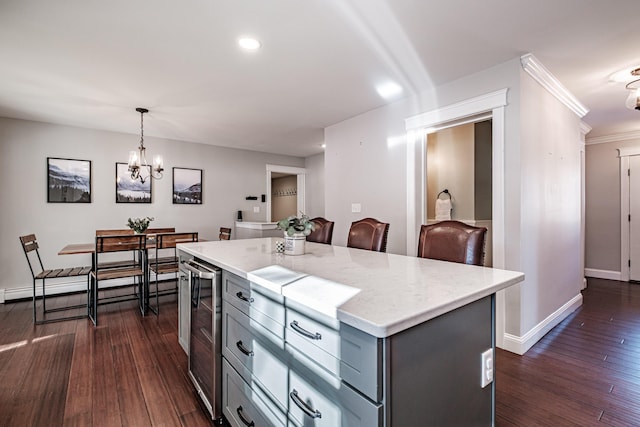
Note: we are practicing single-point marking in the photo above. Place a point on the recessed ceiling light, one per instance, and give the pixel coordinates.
(389, 90)
(249, 43)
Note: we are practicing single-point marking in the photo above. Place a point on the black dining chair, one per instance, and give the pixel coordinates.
(38, 272)
(135, 246)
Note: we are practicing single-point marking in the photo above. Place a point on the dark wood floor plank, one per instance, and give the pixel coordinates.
(586, 371)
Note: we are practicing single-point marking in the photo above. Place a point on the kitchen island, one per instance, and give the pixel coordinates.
(342, 336)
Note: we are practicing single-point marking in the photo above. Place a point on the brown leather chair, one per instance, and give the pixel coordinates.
(225, 233)
(323, 231)
(452, 241)
(369, 234)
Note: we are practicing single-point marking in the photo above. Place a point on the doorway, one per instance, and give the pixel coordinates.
(285, 191)
(459, 176)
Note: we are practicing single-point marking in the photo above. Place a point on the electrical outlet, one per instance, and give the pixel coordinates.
(256, 209)
(487, 368)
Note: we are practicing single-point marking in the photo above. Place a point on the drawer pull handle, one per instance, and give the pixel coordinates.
(294, 325)
(243, 298)
(243, 419)
(313, 413)
(244, 349)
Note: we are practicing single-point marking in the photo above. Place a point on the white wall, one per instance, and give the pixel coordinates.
(550, 235)
(229, 176)
(314, 184)
(366, 162)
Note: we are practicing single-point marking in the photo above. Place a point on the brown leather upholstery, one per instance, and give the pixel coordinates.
(452, 241)
(225, 233)
(323, 233)
(368, 233)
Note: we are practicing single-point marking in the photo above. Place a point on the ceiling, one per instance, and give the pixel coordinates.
(90, 63)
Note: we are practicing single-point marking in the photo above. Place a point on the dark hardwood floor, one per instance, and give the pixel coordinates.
(131, 370)
(585, 372)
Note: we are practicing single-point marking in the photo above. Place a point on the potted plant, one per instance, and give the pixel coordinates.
(139, 225)
(296, 229)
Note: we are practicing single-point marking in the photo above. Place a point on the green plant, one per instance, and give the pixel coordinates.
(139, 225)
(295, 224)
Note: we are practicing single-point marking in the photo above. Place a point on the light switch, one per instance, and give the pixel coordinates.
(256, 209)
(356, 208)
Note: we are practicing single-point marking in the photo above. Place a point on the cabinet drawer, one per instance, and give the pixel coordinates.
(251, 299)
(256, 360)
(316, 340)
(310, 404)
(361, 361)
(243, 406)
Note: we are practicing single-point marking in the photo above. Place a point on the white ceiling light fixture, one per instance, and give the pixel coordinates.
(138, 161)
(249, 43)
(633, 100)
(389, 90)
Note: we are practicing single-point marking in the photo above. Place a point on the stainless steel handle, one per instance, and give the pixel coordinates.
(314, 336)
(199, 270)
(243, 298)
(244, 349)
(313, 413)
(243, 419)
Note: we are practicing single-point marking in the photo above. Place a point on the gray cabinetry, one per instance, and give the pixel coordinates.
(287, 364)
(184, 297)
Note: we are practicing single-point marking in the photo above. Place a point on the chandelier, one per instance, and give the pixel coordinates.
(138, 161)
(633, 100)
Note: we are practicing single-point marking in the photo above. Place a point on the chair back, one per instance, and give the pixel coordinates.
(121, 243)
(114, 232)
(323, 231)
(29, 244)
(225, 233)
(369, 234)
(160, 230)
(452, 241)
(170, 240)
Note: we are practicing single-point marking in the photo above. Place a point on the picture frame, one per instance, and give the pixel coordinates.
(132, 190)
(187, 186)
(68, 180)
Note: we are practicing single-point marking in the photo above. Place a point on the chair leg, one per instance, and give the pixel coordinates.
(35, 321)
(44, 299)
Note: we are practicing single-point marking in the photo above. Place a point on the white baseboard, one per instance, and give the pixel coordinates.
(520, 345)
(602, 274)
(23, 292)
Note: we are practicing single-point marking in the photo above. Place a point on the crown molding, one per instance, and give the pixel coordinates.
(539, 72)
(617, 137)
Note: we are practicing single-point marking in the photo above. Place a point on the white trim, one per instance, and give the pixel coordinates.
(520, 345)
(300, 172)
(626, 136)
(2, 296)
(460, 110)
(602, 274)
(539, 72)
(625, 229)
(628, 151)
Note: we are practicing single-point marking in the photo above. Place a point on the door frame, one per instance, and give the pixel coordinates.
(418, 127)
(625, 227)
(300, 173)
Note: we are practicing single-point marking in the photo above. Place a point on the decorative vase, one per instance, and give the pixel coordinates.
(294, 245)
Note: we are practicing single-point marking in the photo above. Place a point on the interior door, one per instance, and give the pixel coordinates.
(634, 218)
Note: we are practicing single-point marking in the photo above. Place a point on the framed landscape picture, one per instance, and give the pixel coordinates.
(129, 190)
(68, 180)
(187, 186)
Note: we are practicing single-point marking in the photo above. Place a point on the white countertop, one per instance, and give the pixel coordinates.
(378, 293)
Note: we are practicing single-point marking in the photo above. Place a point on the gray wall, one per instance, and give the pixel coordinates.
(229, 176)
(602, 169)
(314, 183)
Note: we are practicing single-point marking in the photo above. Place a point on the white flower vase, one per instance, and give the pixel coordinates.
(294, 245)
